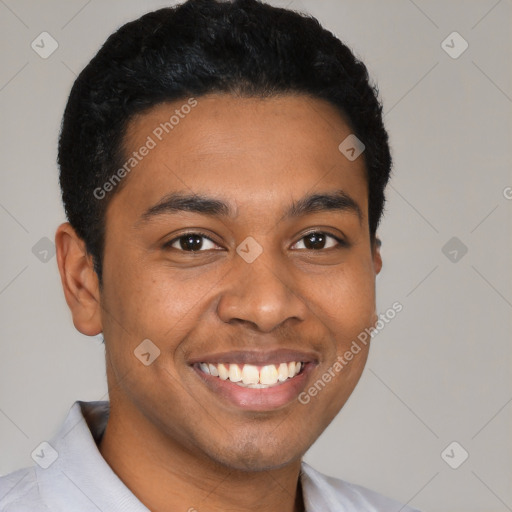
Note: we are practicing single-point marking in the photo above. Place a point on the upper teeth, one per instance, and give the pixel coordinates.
(248, 375)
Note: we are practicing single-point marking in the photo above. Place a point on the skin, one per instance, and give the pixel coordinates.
(189, 447)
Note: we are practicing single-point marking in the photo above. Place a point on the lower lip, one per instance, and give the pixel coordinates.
(257, 399)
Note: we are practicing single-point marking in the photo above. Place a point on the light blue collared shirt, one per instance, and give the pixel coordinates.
(72, 476)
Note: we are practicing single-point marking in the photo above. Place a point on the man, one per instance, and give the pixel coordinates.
(223, 168)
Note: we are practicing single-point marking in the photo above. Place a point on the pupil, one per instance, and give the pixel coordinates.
(191, 242)
(315, 241)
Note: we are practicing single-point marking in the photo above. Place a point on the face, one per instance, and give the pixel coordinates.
(239, 245)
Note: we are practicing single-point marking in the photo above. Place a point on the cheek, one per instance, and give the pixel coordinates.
(157, 301)
(347, 297)
(348, 307)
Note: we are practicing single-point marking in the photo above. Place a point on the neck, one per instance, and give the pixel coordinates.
(166, 476)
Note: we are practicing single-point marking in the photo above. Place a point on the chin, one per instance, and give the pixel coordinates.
(259, 455)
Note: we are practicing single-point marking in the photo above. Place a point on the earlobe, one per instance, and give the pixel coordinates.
(377, 258)
(79, 280)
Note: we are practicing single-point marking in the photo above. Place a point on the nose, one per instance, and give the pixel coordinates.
(262, 294)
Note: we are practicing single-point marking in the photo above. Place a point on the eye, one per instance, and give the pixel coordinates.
(318, 240)
(192, 242)
(198, 242)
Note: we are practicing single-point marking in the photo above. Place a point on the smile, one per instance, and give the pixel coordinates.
(253, 380)
(252, 376)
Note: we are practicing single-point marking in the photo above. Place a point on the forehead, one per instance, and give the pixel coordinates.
(251, 149)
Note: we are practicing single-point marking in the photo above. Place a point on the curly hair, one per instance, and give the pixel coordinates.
(242, 47)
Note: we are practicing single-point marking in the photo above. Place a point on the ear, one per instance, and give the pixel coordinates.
(377, 259)
(79, 280)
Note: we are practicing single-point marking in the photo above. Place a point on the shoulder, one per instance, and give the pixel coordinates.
(334, 494)
(19, 492)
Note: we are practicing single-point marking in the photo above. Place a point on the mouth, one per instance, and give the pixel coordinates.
(256, 381)
(254, 377)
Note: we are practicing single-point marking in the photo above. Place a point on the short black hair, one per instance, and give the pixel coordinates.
(241, 47)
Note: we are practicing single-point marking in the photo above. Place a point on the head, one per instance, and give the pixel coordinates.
(212, 212)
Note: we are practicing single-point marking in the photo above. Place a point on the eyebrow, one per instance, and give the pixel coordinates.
(177, 202)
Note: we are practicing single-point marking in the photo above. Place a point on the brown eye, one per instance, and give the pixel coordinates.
(318, 240)
(192, 242)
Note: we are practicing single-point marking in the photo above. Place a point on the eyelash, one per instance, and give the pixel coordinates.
(340, 243)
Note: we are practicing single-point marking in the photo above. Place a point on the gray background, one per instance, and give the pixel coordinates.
(439, 372)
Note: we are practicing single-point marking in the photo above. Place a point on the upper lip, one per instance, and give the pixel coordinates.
(256, 358)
